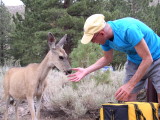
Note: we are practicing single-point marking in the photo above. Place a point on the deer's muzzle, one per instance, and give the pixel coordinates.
(68, 72)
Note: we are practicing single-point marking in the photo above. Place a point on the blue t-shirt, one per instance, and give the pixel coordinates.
(128, 32)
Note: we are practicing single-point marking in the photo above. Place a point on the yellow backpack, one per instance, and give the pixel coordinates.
(129, 111)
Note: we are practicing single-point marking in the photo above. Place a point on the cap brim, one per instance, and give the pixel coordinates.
(86, 38)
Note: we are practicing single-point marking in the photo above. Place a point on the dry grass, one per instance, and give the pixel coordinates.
(88, 95)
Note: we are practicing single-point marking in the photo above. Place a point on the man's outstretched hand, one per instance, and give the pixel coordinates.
(78, 75)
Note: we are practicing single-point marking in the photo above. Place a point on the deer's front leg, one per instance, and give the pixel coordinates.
(31, 107)
(38, 106)
(39, 101)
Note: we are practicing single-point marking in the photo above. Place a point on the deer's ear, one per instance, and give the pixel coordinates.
(51, 41)
(62, 41)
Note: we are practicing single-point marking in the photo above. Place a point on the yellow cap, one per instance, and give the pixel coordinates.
(93, 24)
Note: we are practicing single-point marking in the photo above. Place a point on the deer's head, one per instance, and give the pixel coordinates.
(58, 55)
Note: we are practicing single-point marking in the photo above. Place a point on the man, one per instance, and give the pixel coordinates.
(131, 36)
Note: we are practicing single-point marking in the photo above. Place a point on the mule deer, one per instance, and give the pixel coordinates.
(28, 82)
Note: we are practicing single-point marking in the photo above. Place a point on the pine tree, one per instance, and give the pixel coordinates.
(156, 19)
(5, 29)
(29, 40)
(67, 17)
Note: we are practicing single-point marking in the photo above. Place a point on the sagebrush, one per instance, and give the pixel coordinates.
(88, 95)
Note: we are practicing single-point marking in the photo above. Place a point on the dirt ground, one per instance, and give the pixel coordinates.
(46, 114)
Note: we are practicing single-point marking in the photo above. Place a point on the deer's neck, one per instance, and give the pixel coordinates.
(44, 67)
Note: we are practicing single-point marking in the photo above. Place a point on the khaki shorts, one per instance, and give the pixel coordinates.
(153, 73)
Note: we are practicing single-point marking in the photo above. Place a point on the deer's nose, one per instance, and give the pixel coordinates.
(68, 72)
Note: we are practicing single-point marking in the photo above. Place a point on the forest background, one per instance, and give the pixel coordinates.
(23, 36)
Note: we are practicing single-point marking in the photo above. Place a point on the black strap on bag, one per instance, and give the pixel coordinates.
(112, 114)
(153, 111)
(139, 113)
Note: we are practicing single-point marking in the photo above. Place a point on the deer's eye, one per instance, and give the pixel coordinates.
(61, 57)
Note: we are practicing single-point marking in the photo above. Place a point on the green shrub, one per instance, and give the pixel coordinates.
(85, 55)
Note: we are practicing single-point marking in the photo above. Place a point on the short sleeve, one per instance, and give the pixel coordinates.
(134, 35)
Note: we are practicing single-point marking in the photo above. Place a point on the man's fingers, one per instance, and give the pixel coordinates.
(118, 94)
(77, 76)
(74, 79)
(121, 95)
(75, 69)
(72, 75)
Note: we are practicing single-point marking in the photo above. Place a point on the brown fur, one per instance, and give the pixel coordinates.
(30, 81)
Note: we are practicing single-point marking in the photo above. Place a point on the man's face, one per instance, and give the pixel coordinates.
(99, 38)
